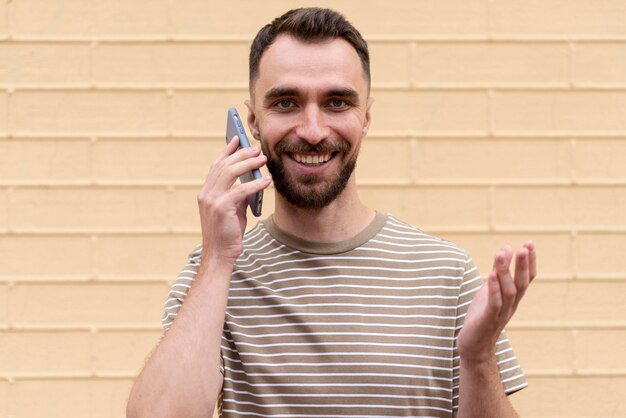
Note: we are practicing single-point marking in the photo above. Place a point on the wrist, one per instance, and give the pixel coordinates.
(479, 372)
(478, 355)
(214, 268)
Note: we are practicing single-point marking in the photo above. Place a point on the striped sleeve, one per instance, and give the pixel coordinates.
(180, 288)
(511, 374)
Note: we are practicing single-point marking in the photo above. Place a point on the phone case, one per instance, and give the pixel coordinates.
(234, 127)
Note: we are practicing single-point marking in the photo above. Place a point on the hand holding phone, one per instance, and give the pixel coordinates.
(234, 127)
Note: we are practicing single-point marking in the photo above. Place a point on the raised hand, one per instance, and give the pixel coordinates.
(222, 207)
(496, 302)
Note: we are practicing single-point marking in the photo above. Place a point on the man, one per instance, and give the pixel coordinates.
(327, 308)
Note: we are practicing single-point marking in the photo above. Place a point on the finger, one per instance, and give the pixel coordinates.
(494, 299)
(244, 166)
(224, 173)
(240, 193)
(522, 277)
(231, 147)
(532, 260)
(506, 282)
(240, 155)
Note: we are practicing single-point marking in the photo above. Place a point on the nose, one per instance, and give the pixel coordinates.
(312, 126)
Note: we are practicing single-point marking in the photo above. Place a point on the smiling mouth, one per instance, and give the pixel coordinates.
(311, 160)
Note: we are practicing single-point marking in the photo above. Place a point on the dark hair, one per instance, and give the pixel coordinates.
(312, 24)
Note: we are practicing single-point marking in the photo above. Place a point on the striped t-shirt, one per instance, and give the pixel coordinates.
(360, 328)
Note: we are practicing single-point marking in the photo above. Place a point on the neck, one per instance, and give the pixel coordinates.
(342, 219)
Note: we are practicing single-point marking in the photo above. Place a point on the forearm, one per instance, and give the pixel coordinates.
(481, 393)
(182, 377)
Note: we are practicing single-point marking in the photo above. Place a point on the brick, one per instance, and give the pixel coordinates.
(595, 111)
(419, 17)
(87, 304)
(491, 160)
(542, 349)
(49, 398)
(573, 301)
(44, 352)
(429, 111)
(156, 159)
(44, 160)
(382, 54)
(384, 159)
(184, 207)
(431, 207)
(600, 159)
(28, 62)
(564, 396)
(600, 63)
(89, 208)
(558, 17)
(205, 111)
(52, 17)
(79, 18)
(138, 17)
(237, 18)
(42, 256)
(597, 253)
(554, 250)
(172, 63)
(124, 352)
(81, 111)
(560, 206)
(490, 63)
(161, 256)
(600, 348)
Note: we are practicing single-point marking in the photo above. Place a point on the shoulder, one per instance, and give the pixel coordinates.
(398, 233)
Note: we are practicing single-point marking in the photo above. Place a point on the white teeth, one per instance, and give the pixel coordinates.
(311, 159)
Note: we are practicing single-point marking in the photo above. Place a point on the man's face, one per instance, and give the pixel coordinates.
(310, 110)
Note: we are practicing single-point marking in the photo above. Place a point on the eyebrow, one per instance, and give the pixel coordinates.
(346, 93)
(278, 92)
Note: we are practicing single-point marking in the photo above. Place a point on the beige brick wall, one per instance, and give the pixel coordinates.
(494, 121)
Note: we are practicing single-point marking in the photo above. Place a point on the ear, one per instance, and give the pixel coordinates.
(368, 115)
(252, 121)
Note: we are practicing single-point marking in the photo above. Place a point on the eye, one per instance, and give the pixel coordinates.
(338, 103)
(284, 104)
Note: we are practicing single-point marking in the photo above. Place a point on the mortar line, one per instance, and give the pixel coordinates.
(413, 160)
(491, 211)
(182, 38)
(572, 161)
(379, 135)
(490, 116)
(570, 65)
(412, 58)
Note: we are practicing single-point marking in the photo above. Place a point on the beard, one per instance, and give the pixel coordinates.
(309, 192)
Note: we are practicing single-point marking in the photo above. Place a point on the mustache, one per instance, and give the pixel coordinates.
(304, 147)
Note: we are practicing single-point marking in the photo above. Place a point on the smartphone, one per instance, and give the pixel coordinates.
(234, 127)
